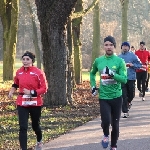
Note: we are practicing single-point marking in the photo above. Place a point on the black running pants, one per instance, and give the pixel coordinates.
(128, 93)
(141, 80)
(23, 114)
(110, 111)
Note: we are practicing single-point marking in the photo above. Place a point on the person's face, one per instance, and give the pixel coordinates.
(142, 47)
(132, 49)
(125, 48)
(27, 61)
(109, 48)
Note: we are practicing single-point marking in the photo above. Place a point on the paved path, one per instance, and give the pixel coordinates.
(134, 132)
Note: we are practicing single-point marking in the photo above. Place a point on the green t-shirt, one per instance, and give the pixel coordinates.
(110, 87)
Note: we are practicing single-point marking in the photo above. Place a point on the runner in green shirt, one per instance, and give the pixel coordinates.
(113, 72)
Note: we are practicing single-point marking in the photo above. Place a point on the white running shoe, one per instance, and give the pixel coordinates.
(126, 115)
(113, 148)
(38, 146)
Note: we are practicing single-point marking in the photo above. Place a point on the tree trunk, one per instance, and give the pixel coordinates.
(70, 59)
(96, 33)
(53, 17)
(76, 27)
(124, 4)
(35, 36)
(9, 17)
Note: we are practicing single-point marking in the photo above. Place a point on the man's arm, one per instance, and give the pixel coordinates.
(137, 64)
(121, 76)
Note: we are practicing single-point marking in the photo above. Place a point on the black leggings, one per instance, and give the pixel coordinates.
(128, 93)
(110, 111)
(147, 81)
(141, 79)
(23, 114)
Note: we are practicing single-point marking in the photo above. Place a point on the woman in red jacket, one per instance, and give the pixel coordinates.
(31, 84)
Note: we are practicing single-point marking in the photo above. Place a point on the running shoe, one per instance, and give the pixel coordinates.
(113, 148)
(129, 105)
(126, 115)
(147, 90)
(38, 146)
(105, 141)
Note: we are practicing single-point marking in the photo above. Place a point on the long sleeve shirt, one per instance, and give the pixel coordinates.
(110, 87)
(130, 57)
(144, 57)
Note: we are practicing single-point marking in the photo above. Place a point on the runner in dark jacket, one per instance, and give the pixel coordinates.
(128, 89)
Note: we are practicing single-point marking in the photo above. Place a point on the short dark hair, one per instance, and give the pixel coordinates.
(142, 42)
(110, 39)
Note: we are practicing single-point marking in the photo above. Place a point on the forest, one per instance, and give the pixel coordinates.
(110, 24)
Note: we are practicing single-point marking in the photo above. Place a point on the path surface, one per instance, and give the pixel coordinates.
(134, 132)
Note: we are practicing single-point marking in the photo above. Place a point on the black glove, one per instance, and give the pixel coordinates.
(94, 90)
(109, 72)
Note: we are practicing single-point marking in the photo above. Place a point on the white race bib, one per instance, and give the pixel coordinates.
(105, 79)
(27, 100)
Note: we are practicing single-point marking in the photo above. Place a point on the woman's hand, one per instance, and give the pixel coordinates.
(26, 91)
(10, 94)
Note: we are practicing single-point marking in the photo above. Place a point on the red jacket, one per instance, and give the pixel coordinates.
(144, 57)
(31, 79)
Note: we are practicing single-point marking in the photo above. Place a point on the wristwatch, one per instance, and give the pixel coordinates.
(32, 92)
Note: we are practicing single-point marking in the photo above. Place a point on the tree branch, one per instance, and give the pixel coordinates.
(84, 12)
(122, 2)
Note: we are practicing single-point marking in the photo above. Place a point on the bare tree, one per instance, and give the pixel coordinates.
(76, 32)
(53, 18)
(96, 33)
(9, 16)
(124, 4)
(35, 36)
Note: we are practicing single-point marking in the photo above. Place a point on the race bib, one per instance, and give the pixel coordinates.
(105, 79)
(27, 100)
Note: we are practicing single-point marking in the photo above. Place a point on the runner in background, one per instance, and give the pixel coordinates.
(148, 75)
(133, 49)
(128, 89)
(141, 74)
